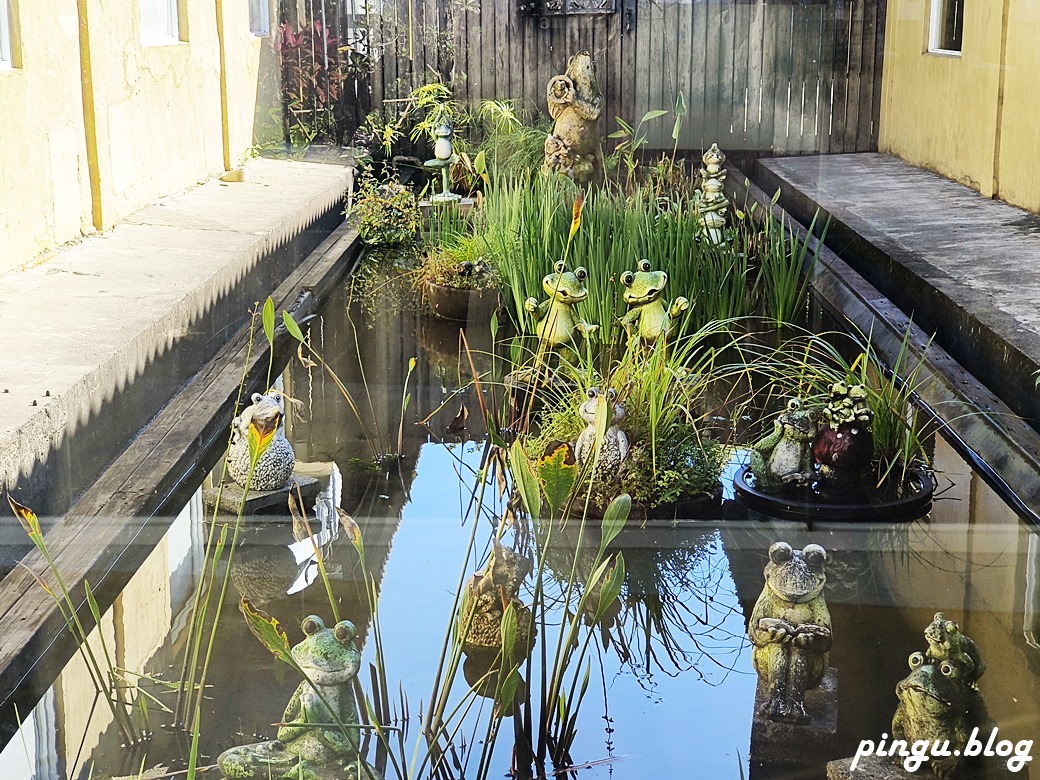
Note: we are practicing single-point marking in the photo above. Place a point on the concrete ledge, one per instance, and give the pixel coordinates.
(101, 336)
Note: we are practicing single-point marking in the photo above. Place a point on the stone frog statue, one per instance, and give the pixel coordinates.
(310, 746)
(937, 704)
(785, 455)
(275, 466)
(558, 323)
(947, 643)
(790, 628)
(573, 147)
(614, 449)
(647, 313)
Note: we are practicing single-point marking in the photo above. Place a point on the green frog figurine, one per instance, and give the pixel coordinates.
(647, 312)
(310, 744)
(785, 455)
(556, 318)
(790, 628)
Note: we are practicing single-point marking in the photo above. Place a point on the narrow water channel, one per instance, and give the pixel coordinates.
(672, 688)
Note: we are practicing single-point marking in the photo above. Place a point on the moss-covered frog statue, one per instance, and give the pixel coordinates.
(310, 744)
(647, 313)
(614, 449)
(558, 323)
(275, 466)
(785, 455)
(947, 643)
(936, 704)
(573, 147)
(790, 628)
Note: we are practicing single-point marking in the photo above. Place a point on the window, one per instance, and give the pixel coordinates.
(947, 25)
(6, 53)
(159, 22)
(260, 17)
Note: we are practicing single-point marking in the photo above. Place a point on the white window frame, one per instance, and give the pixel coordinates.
(936, 25)
(6, 49)
(160, 22)
(260, 18)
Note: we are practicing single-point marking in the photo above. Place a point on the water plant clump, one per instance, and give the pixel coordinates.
(386, 214)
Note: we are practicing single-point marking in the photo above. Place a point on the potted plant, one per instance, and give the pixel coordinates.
(459, 278)
(386, 214)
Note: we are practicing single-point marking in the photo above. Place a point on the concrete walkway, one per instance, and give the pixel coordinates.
(97, 338)
(963, 267)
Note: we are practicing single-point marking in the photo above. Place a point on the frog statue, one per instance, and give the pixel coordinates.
(488, 593)
(785, 455)
(937, 704)
(790, 628)
(844, 446)
(275, 466)
(311, 745)
(643, 290)
(573, 147)
(614, 449)
(947, 643)
(557, 320)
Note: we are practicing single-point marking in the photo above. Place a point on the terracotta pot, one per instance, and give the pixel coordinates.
(453, 303)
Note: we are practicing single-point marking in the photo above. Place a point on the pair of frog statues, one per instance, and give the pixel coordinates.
(833, 443)
(790, 629)
(648, 316)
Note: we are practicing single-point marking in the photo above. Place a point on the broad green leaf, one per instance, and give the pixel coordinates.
(268, 319)
(680, 104)
(267, 630)
(611, 587)
(524, 478)
(614, 519)
(557, 473)
(480, 163)
(620, 134)
(653, 113)
(509, 687)
(291, 326)
(624, 125)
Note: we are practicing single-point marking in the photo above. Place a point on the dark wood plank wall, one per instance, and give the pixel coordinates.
(779, 76)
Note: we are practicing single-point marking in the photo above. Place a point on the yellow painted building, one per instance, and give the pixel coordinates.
(960, 93)
(108, 105)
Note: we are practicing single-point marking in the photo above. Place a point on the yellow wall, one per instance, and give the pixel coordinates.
(941, 112)
(44, 186)
(96, 125)
(1019, 155)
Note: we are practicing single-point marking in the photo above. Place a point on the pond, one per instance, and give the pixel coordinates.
(671, 687)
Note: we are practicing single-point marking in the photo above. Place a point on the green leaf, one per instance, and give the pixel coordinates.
(526, 481)
(30, 522)
(557, 473)
(268, 320)
(480, 163)
(510, 685)
(611, 587)
(624, 125)
(614, 519)
(508, 633)
(653, 113)
(680, 104)
(492, 429)
(267, 630)
(261, 434)
(292, 327)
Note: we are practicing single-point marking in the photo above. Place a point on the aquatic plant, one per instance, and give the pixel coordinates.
(386, 214)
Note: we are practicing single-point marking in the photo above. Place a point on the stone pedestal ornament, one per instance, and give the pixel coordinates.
(573, 147)
(319, 735)
(790, 629)
(709, 200)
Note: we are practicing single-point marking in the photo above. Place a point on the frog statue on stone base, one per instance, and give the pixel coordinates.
(790, 628)
(556, 318)
(275, 466)
(614, 448)
(647, 312)
(311, 745)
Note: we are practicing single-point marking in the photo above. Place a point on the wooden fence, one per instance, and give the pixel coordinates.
(773, 76)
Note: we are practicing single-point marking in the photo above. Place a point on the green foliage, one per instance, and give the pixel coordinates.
(465, 264)
(387, 215)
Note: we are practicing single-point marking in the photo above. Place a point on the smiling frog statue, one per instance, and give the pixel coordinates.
(558, 322)
(648, 315)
